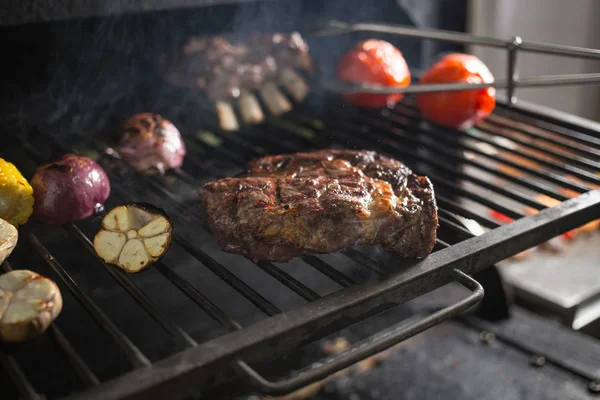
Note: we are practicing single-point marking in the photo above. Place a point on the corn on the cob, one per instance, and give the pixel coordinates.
(16, 195)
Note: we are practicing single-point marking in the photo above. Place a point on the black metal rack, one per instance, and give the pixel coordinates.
(194, 361)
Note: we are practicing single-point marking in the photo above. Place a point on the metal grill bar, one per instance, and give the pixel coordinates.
(329, 271)
(588, 176)
(240, 286)
(456, 228)
(24, 387)
(219, 270)
(551, 137)
(439, 182)
(393, 133)
(83, 372)
(438, 134)
(134, 291)
(500, 129)
(135, 356)
(202, 301)
(570, 132)
(338, 27)
(452, 206)
(292, 283)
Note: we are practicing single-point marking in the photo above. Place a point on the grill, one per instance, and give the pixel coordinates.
(247, 314)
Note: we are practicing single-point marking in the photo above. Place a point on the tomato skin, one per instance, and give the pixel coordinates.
(460, 109)
(377, 62)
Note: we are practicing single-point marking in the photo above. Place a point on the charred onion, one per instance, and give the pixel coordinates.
(151, 143)
(69, 189)
(134, 236)
(29, 303)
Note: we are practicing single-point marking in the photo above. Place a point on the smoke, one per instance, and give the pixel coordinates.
(82, 77)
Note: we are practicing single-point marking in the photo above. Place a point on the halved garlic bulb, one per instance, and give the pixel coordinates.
(8, 239)
(29, 303)
(134, 236)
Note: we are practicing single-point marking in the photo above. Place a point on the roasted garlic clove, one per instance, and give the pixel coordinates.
(134, 236)
(28, 305)
(8, 239)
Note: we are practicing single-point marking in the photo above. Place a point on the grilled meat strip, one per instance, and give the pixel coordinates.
(291, 205)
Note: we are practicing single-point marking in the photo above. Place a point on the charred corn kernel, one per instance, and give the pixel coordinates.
(16, 195)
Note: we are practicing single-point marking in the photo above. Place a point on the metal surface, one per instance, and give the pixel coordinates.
(512, 47)
(182, 372)
(367, 347)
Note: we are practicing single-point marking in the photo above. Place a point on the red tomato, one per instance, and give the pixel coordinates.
(460, 109)
(376, 62)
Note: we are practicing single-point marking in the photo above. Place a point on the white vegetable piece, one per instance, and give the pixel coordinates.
(294, 83)
(8, 239)
(275, 101)
(28, 305)
(227, 119)
(133, 236)
(250, 109)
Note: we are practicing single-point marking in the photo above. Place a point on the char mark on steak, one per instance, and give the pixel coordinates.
(292, 205)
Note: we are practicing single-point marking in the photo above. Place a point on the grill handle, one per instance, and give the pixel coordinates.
(364, 348)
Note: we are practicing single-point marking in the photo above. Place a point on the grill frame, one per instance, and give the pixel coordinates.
(179, 374)
(182, 373)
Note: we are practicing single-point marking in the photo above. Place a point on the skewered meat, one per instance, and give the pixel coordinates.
(28, 305)
(231, 70)
(287, 206)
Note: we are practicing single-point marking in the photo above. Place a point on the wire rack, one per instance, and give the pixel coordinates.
(512, 46)
(563, 149)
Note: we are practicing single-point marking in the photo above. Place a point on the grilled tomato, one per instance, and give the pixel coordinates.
(460, 109)
(374, 62)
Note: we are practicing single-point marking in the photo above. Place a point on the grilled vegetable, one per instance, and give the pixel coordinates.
(16, 195)
(28, 305)
(374, 62)
(461, 109)
(151, 143)
(69, 189)
(8, 239)
(134, 236)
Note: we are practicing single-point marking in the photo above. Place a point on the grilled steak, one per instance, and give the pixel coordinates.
(292, 205)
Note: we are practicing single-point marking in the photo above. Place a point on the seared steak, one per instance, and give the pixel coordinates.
(292, 205)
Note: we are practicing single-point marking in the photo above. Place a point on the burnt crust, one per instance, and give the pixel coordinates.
(320, 202)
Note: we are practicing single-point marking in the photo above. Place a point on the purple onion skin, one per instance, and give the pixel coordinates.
(150, 142)
(69, 189)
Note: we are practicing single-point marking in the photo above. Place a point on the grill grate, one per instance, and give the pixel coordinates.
(442, 154)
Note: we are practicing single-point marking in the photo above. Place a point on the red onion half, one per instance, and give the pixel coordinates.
(150, 142)
(69, 189)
